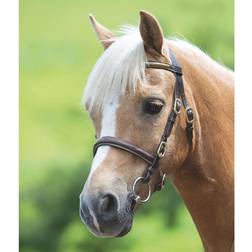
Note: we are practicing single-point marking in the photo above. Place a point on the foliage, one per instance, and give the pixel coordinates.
(57, 51)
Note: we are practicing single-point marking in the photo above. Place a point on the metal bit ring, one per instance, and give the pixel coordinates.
(138, 197)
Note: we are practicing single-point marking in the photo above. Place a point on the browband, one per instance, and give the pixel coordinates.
(158, 65)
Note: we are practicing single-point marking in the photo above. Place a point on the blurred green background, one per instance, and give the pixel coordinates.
(57, 51)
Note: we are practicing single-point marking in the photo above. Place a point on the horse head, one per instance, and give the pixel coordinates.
(127, 100)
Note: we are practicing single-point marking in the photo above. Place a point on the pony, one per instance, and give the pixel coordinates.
(126, 100)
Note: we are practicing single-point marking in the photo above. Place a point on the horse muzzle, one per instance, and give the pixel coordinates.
(106, 216)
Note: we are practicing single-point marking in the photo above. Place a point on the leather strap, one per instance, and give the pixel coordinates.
(172, 68)
(125, 146)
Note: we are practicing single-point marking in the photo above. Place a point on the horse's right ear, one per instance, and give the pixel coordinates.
(106, 36)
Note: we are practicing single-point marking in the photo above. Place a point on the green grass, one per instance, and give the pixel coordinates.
(57, 51)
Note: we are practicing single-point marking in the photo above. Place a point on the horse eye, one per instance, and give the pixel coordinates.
(152, 107)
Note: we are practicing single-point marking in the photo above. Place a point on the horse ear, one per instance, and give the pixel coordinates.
(151, 32)
(106, 36)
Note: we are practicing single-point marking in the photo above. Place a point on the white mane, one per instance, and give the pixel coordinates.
(121, 66)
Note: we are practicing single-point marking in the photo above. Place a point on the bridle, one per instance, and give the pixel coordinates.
(179, 99)
(152, 160)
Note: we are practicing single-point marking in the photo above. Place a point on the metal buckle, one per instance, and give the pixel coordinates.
(137, 197)
(160, 185)
(187, 118)
(177, 106)
(161, 149)
(163, 175)
(163, 180)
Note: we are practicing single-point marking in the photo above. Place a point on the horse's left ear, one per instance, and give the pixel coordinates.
(151, 32)
(106, 36)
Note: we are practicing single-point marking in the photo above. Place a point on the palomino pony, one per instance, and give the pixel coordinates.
(134, 96)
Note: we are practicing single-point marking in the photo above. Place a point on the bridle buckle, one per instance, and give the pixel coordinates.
(163, 180)
(177, 106)
(161, 149)
(189, 115)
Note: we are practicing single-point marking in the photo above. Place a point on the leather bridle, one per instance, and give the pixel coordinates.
(179, 100)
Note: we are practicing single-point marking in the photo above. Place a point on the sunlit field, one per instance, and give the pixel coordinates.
(57, 51)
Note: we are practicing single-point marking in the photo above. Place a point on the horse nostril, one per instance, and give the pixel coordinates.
(108, 204)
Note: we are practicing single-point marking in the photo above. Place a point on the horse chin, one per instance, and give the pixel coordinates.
(127, 221)
(126, 225)
(124, 231)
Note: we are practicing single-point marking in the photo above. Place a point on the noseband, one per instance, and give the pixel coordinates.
(179, 100)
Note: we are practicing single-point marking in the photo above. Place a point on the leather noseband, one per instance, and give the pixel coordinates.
(179, 100)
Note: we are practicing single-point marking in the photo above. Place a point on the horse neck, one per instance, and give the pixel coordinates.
(205, 180)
